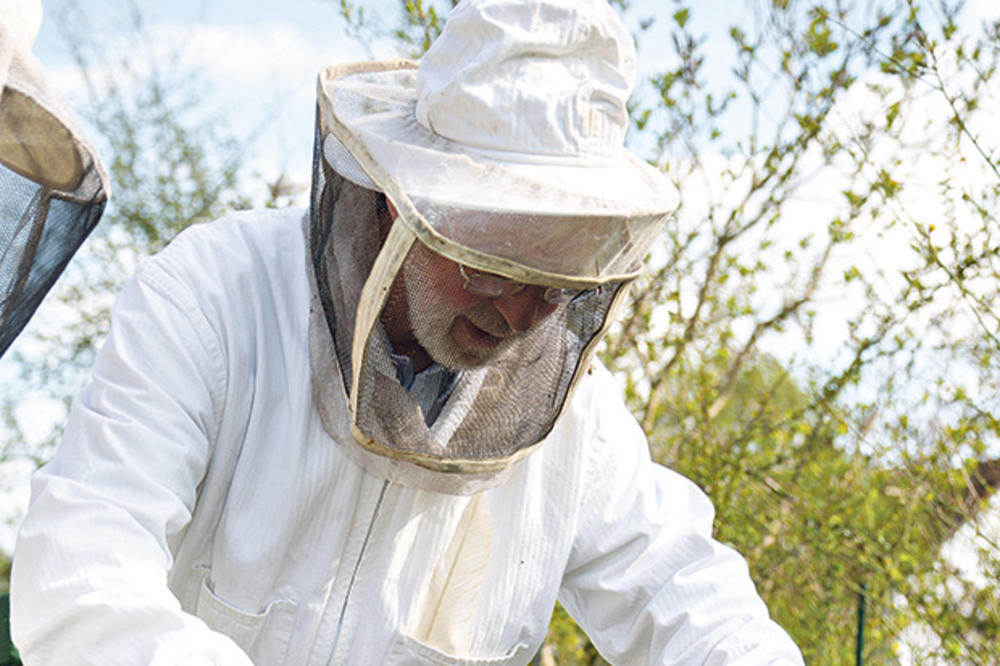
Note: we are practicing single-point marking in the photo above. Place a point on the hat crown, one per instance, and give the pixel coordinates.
(20, 21)
(540, 78)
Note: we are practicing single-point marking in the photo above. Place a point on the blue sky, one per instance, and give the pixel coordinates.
(257, 63)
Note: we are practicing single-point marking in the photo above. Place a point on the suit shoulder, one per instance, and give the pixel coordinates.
(251, 243)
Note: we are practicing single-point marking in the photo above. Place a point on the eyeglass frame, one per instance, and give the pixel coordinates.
(490, 285)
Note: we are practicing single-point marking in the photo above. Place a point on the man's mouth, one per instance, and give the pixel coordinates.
(467, 332)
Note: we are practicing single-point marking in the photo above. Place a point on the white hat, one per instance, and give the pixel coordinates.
(38, 138)
(502, 151)
(518, 106)
(21, 22)
(52, 187)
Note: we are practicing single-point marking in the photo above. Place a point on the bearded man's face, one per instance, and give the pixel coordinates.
(456, 328)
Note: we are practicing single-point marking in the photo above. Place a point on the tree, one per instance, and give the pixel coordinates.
(816, 345)
(171, 164)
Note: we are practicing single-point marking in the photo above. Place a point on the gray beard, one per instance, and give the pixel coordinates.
(432, 321)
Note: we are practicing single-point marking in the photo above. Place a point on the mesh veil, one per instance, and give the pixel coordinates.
(500, 154)
(52, 189)
(368, 278)
(495, 412)
(343, 243)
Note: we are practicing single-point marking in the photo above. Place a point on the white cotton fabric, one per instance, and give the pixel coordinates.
(502, 151)
(39, 137)
(198, 513)
(483, 85)
(52, 187)
(20, 21)
(516, 107)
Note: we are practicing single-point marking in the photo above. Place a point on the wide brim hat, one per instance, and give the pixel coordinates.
(52, 187)
(517, 108)
(376, 104)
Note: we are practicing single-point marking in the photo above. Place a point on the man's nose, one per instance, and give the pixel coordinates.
(521, 309)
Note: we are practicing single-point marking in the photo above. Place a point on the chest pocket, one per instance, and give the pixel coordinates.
(407, 651)
(263, 636)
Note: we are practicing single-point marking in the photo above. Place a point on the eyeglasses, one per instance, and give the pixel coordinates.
(489, 285)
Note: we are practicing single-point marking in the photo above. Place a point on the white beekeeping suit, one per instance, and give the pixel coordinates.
(52, 188)
(374, 432)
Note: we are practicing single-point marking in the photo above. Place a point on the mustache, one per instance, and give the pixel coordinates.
(488, 318)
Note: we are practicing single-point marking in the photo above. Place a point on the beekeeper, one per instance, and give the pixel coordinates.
(376, 433)
(52, 187)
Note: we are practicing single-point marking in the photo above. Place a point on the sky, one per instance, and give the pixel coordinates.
(258, 60)
(257, 63)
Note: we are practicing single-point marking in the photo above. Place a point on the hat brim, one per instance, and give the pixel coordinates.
(375, 102)
(39, 138)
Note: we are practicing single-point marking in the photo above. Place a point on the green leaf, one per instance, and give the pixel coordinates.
(681, 16)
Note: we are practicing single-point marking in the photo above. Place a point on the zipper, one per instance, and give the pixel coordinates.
(354, 572)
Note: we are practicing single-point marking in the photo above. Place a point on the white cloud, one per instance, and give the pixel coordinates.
(258, 77)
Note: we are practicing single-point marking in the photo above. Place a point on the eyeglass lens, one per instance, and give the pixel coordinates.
(492, 286)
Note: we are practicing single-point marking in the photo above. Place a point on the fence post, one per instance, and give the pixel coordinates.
(861, 625)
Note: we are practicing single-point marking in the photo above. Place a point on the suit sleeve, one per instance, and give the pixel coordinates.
(646, 581)
(89, 579)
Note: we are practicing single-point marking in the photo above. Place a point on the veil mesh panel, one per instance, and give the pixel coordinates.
(40, 230)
